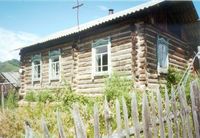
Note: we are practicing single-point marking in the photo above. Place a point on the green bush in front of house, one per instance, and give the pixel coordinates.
(10, 100)
(30, 96)
(117, 86)
(174, 77)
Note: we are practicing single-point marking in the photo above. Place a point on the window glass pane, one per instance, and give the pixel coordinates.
(39, 71)
(57, 68)
(162, 55)
(101, 49)
(98, 60)
(105, 59)
(36, 71)
(99, 68)
(105, 68)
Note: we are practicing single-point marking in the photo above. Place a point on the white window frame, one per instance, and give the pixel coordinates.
(51, 58)
(162, 44)
(36, 58)
(94, 72)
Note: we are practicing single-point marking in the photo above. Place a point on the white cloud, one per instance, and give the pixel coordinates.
(103, 8)
(10, 40)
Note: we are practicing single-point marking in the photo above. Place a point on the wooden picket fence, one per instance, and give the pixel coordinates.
(162, 116)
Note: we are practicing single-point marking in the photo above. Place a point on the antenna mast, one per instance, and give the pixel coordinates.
(77, 6)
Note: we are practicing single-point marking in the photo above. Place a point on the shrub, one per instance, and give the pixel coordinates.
(117, 86)
(44, 96)
(11, 99)
(31, 96)
(174, 77)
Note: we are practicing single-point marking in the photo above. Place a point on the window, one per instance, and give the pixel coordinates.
(101, 56)
(54, 65)
(162, 55)
(36, 67)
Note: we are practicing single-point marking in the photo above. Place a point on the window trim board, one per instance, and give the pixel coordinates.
(102, 73)
(36, 57)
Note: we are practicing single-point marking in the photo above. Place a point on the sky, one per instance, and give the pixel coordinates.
(23, 22)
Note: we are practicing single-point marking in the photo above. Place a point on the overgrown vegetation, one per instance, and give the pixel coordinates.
(48, 101)
(10, 100)
(117, 86)
(174, 77)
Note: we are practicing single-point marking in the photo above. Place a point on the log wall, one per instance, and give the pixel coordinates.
(76, 64)
(66, 69)
(133, 53)
(121, 58)
(179, 54)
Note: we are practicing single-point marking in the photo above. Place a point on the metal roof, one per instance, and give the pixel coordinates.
(12, 77)
(97, 22)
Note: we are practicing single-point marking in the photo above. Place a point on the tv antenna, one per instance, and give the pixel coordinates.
(77, 6)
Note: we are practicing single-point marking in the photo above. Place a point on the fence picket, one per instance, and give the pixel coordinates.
(46, 133)
(125, 112)
(107, 115)
(184, 113)
(194, 87)
(167, 106)
(2, 98)
(118, 116)
(78, 122)
(135, 115)
(160, 114)
(184, 133)
(174, 110)
(154, 118)
(60, 126)
(146, 117)
(187, 110)
(96, 122)
(28, 131)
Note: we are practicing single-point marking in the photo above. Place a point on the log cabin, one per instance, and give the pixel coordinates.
(141, 43)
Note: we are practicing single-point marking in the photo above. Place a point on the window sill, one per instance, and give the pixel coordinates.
(162, 71)
(101, 74)
(55, 79)
(36, 80)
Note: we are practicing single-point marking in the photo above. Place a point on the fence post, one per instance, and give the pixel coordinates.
(78, 122)
(118, 116)
(174, 111)
(146, 117)
(2, 97)
(125, 112)
(134, 113)
(154, 116)
(28, 130)
(160, 114)
(60, 126)
(167, 108)
(195, 98)
(45, 129)
(107, 115)
(96, 122)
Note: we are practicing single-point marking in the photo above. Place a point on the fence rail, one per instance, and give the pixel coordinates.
(168, 116)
